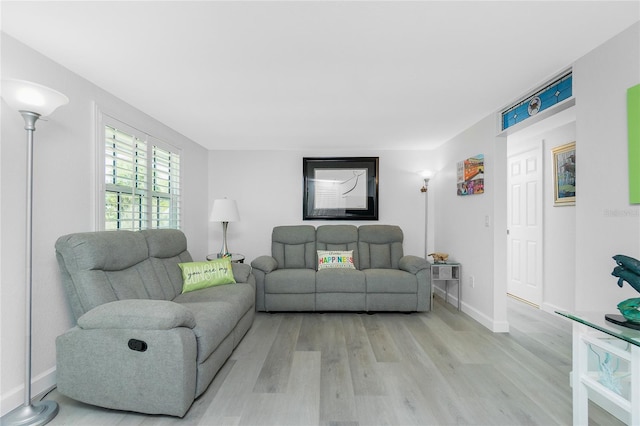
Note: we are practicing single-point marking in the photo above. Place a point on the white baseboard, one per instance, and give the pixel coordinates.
(39, 385)
(490, 323)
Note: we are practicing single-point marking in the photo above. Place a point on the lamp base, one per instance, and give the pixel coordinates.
(39, 413)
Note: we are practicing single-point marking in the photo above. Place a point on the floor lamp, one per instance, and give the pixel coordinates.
(32, 101)
(225, 211)
(426, 175)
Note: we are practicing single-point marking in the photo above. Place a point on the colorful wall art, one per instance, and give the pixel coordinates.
(471, 176)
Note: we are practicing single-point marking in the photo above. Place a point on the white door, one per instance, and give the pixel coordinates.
(524, 204)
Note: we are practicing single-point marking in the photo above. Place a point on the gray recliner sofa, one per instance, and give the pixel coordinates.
(139, 343)
(383, 278)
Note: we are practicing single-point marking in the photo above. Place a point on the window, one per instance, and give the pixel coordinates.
(141, 180)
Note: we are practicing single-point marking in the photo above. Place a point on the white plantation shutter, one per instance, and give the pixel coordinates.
(141, 180)
(165, 196)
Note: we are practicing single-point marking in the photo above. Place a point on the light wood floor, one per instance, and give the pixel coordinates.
(438, 368)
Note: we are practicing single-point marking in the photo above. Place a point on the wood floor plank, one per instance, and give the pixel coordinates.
(376, 411)
(362, 361)
(274, 374)
(381, 342)
(311, 332)
(257, 342)
(304, 388)
(337, 403)
(439, 397)
(298, 405)
(230, 400)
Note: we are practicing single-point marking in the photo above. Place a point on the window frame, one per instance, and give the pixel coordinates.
(153, 181)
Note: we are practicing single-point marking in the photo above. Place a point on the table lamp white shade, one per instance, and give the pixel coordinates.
(225, 211)
(32, 97)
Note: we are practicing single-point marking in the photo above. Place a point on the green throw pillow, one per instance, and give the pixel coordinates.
(199, 275)
(335, 259)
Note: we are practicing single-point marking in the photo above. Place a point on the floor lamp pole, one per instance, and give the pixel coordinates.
(42, 412)
(424, 190)
(426, 223)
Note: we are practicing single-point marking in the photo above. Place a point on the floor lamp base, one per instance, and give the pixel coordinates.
(38, 413)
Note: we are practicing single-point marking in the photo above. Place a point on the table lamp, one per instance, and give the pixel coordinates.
(225, 211)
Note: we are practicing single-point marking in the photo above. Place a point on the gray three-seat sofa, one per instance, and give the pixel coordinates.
(382, 277)
(140, 344)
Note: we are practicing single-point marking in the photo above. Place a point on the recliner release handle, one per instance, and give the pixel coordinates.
(137, 345)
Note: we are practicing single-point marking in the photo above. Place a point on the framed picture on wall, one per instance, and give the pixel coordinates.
(340, 188)
(470, 176)
(564, 175)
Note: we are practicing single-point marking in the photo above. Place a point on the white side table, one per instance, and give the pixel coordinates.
(446, 272)
(235, 257)
(606, 368)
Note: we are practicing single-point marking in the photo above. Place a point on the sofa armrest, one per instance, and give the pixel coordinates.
(412, 264)
(241, 272)
(141, 314)
(265, 263)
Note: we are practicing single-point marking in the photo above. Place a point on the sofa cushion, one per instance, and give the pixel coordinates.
(165, 243)
(340, 281)
(338, 237)
(330, 259)
(390, 281)
(294, 247)
(107, 251)
(291, 281)
(168, 273)
(241, 295)
(199, 275)
(217, 310)
(380, 246)
(214, 321)
(136, 282)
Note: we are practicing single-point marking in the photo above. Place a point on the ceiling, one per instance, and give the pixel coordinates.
(324, 75)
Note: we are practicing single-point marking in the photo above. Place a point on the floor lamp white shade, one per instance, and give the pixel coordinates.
(32, 101)
(225, 211)
(32, 97)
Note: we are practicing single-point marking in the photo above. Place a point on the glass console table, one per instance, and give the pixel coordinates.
(606, 368)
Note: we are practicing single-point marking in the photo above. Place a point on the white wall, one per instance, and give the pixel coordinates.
(606, 224)
(268, 188)
(64, 202)
(470, 228)
(559, 231)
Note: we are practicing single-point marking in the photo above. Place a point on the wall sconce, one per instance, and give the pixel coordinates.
(426, 175)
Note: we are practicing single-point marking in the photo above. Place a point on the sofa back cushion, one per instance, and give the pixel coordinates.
(338, 238)
(294, 247)
(102, 267)
(167, 248)
(380, 246)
